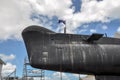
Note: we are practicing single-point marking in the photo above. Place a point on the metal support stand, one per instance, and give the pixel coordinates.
(29, 72)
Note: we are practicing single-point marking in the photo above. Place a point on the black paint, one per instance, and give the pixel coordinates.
(71, 52)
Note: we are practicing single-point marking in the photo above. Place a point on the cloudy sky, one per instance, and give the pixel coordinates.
(82, 17)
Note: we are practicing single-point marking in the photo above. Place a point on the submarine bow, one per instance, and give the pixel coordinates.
(72, 52)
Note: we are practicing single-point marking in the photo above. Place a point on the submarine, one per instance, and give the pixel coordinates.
(75, 53)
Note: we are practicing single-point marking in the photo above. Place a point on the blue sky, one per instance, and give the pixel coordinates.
(82, 17)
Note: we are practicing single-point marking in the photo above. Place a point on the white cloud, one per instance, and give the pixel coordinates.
(81, 75)
(57, 75)
(46, 78)
(16, 15)
(83, 30)
(101, 10)
(118, 30)
(8, 68)
(104, 27)
(36, 71)
(92, 30)
(7, 57)
(57, 8)
(94, 11)
(117, 35)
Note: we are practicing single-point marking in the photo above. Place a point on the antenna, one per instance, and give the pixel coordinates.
(105, 34)
(64, 22)
(65, 29)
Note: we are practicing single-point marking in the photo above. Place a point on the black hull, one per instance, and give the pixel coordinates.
(72, 53)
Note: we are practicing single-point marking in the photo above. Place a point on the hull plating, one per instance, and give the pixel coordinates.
(71, 52)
